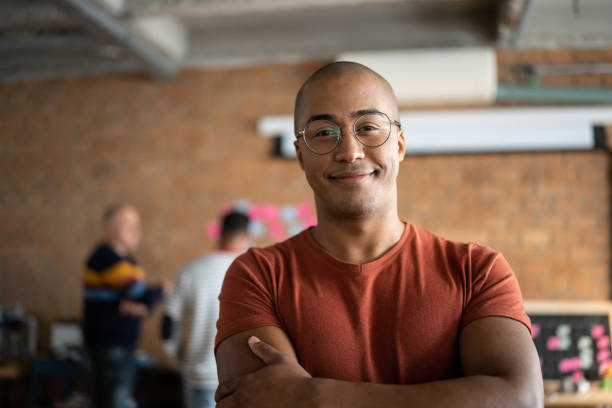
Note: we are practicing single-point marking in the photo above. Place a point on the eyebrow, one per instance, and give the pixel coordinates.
(355, 114)
(365, 112)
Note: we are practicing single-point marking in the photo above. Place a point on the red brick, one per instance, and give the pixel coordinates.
(154, 145)
(588, 81)
(590, 55)
(557, 81)
(532, 56)
(560, 56)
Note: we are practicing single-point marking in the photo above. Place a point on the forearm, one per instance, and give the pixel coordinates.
(466, 392)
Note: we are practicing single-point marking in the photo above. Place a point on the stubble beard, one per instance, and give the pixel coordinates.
(352, 208)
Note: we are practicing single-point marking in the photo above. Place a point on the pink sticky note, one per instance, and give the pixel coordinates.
(304, 210)
(552, 343)
(565, 365)
(277, 232)
(269, 212)
(597, 331)
(254, 212)
(603, 355)
(577, 376)
(213, 230)
(535, 331)
(276, 229)
(603, 342)
(309, 222)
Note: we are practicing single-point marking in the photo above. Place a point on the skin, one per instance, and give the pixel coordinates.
(123, 233)
(356, 200)
(235, 242)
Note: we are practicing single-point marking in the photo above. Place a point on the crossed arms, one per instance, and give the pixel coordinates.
(500, 366)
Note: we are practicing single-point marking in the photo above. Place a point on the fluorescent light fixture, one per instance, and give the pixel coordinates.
(486, 130)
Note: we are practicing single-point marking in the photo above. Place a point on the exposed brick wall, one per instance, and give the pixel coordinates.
(509, 59)
(179, 150)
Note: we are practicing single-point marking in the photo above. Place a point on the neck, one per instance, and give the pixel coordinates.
(119, 247)
(359, 240)
(233, 245)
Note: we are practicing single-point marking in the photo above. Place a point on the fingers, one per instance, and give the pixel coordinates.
(130, 308)
(265, 352)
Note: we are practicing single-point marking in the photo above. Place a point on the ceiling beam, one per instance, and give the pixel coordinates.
(215, 8)
(90, 15)
(54, 69)
(33, 16)
(167, 33)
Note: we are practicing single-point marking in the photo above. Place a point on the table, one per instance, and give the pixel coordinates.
(595, 397)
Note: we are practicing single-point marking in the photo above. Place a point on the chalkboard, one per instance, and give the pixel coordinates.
(572, 338)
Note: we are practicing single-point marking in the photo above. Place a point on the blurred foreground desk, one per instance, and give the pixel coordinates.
(67, 371)
(10, 373)
(594, 398)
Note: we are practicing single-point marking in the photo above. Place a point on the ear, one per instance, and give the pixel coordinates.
(401, 145)
(298, 152)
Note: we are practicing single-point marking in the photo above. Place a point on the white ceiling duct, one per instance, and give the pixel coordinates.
(461, 75)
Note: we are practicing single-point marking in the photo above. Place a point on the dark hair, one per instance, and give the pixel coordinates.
(234, 223)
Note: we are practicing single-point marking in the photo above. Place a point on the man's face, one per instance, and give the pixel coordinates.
(353, 180)
(125, 228)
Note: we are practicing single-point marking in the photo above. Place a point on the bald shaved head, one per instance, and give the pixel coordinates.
(338, 70)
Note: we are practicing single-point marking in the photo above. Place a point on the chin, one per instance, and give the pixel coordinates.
(359, 208)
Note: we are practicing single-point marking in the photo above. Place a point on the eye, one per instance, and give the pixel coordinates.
(325, 132)
(367, 128)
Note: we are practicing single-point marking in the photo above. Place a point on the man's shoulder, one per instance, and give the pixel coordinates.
(429, 240)
(102, 258)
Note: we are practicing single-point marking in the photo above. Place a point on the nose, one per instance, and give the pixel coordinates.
(349, 148)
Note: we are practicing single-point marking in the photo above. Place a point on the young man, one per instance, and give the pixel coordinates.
(365, 310)
(188, 328)
(116, 298)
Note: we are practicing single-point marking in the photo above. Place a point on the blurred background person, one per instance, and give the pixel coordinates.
(188, 328)
(116, 298)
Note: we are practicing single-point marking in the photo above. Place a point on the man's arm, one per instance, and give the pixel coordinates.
(499, 361)
(235, 358)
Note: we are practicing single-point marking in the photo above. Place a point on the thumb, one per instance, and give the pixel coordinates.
(265, 352)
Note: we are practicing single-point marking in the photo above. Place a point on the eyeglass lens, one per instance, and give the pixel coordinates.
(371, 130)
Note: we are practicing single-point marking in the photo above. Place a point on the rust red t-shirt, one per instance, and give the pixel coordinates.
(395, 320)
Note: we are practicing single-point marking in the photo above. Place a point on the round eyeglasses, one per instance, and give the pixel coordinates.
(370, 129)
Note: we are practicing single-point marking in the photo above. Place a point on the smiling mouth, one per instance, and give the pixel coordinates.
(352, 178)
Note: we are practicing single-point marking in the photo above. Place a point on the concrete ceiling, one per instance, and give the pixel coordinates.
(60, 38)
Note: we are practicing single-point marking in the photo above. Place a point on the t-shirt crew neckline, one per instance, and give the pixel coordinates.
(352, 268)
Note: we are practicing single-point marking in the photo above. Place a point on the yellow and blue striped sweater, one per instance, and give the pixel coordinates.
(109, 278)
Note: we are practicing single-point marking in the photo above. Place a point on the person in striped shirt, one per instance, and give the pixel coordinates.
(116, 298)
(188, 327)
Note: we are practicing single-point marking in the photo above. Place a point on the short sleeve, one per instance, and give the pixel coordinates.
(246, 300)
(492, 288)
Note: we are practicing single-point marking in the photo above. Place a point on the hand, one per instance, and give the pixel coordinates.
(281, 383)
(134, 309)
(167, 287)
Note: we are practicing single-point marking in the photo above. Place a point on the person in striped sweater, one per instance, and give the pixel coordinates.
(188, 327)
(116, 298)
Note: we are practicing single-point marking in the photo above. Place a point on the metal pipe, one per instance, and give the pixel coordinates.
(159, 65)
(518, 30)
(572, 69)
(513, 93)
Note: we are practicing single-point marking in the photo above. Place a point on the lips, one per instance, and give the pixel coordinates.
(352, 177)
